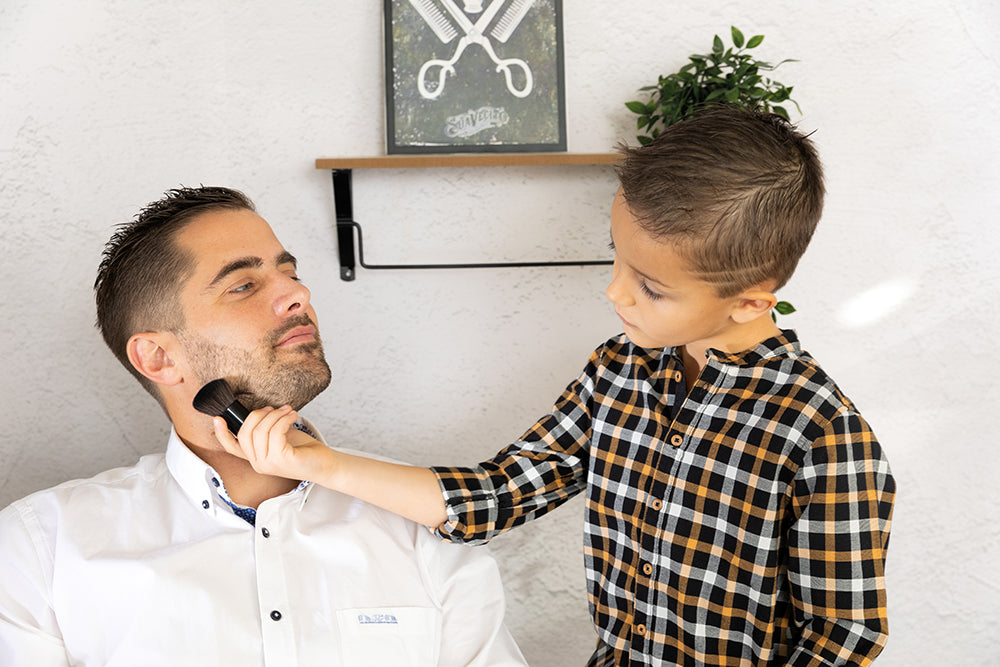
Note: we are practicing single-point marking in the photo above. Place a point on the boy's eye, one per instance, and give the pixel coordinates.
(245, 287)
(648, 292)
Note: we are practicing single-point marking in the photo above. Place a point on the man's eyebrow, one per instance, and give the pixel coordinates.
(284, 257)
(235, 265)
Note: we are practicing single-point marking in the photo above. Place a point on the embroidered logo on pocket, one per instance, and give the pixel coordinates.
(377, 619)
(394, 636)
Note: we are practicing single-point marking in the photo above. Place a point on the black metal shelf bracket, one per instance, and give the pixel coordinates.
(346, 227)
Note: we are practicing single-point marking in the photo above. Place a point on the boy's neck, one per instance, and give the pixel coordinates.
(739, 338)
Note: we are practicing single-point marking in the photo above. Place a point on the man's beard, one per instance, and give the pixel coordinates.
(258, 377)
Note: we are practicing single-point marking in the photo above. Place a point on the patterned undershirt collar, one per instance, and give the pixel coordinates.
(249, 514)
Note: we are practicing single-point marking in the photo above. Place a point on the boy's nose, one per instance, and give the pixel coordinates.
(616, 291)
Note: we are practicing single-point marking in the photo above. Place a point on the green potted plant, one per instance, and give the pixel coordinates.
(723, 76)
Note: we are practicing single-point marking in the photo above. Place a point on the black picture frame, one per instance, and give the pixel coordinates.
(467, 76)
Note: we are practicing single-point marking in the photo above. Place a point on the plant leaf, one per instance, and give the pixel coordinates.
(737, 37)
(724, 75)
(784, 308)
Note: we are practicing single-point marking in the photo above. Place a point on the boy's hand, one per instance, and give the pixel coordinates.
(268, 441)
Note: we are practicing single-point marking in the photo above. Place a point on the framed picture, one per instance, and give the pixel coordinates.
(474, 76)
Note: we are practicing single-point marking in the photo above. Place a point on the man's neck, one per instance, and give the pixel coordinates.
(244, 485)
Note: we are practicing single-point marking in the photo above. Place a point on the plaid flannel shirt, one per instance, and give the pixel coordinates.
(742, 523)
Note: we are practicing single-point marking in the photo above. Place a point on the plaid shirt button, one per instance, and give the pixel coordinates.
(657, 504)
(640, 630)
(647, 569)
(676, 439)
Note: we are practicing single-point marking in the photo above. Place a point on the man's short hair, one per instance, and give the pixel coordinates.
(738, 192)
(142, 268)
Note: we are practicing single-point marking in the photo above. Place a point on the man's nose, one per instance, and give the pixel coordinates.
(292, 298)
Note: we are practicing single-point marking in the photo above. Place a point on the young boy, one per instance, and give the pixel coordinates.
(738, 505)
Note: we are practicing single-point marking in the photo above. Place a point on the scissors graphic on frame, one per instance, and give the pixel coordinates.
(474, 34)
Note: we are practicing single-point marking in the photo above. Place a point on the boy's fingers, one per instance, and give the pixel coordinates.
(248, 441)
(266, 424)
(262, 432)
(225, 438)
(279, 433)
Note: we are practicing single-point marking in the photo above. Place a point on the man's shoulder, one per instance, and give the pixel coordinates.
(84, 493)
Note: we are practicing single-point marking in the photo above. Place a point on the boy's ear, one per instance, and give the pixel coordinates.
(753, 303)
(148, 353)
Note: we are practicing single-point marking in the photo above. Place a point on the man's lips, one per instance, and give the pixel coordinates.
(305, 334)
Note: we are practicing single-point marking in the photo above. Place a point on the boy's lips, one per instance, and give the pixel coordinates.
(624, 321)
(305, 334)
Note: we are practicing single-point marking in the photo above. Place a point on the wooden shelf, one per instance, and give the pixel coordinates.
(465, 160)
(342, 168)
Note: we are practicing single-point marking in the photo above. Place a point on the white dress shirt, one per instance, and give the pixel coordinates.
(149, 566)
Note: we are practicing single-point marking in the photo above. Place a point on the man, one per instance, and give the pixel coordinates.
(191, 557)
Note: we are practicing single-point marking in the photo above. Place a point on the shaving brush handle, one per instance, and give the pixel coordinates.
(235, 415)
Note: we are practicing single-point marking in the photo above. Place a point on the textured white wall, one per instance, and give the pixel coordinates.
(103, 105)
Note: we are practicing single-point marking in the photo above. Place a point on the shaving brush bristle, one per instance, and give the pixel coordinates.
(214, 398)
(218, 400)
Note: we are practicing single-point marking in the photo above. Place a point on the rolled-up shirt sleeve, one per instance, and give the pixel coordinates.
(527, 479)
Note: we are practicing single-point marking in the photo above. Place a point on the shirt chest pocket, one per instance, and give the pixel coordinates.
(391, 636)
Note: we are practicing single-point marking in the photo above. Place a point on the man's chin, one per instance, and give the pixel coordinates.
(296, 391)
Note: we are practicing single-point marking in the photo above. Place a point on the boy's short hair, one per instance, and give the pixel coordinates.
(738, 192)
(142, 269)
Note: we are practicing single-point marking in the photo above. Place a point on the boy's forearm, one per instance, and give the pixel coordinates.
(268, 441)
(409, 491)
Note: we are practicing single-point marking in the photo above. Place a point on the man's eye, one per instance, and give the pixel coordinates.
(245, 287)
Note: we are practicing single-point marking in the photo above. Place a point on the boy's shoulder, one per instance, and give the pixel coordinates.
(780, 369)
(776, 369)
(618, 352)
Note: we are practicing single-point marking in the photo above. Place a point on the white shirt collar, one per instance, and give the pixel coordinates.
(200, 481)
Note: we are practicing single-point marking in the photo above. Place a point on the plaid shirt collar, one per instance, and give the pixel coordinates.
(785, 344)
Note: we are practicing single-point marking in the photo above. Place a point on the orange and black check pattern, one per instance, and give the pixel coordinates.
(744, 522)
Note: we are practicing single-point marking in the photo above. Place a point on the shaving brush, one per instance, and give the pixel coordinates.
(217, 399)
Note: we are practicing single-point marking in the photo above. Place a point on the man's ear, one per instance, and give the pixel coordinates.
(753, 303)
(149, 354)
